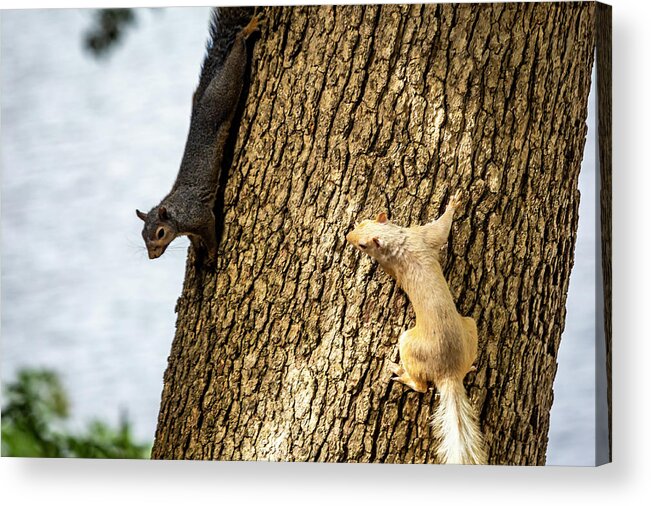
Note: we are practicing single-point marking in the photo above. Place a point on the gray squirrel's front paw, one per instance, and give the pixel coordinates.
(205, 260)
(210, 260)
(202, 257)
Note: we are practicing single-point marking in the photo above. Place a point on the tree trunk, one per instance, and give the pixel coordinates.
(281, 353)
(605, 110)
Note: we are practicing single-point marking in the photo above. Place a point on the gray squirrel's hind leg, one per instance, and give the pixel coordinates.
(220, 98)
(253, 26)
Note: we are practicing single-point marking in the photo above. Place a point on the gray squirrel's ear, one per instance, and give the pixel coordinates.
(378, 243)
(162, 213)
(141, 215)
(382, 218)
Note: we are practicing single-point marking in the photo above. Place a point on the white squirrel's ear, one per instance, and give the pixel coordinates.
(141, 215)
(378, 242)
(382, 218)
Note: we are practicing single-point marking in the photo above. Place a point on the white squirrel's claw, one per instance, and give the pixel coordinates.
(455, 201)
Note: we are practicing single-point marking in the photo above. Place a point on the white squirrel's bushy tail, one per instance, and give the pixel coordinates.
(456, 426)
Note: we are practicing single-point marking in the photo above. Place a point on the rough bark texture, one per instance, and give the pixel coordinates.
(280, 354)
(605, 109)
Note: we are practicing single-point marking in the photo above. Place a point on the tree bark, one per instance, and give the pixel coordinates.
(281, 352)
(605, 108)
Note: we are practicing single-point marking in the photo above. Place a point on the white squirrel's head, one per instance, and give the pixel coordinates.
(377, 238)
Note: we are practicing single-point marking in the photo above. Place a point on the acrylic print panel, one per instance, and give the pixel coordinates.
(303, 151)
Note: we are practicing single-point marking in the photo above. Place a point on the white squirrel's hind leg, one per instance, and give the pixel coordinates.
(396, 369)
(410, 382)
(403, 377)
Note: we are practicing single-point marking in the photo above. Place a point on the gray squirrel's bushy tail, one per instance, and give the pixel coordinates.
(225, 24)
(456, 426)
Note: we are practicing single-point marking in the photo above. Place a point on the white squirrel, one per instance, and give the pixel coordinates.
(442, 346)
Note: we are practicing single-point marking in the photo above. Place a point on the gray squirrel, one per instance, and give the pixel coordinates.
(188, 208)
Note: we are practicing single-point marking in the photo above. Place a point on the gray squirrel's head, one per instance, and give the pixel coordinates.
(159, 230)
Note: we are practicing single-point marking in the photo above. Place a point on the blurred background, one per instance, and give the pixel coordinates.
(94, 116)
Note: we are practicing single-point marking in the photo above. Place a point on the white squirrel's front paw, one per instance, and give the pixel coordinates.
(455, 201)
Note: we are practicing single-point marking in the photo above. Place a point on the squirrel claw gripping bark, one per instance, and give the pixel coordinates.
(253, 26)
(395, 369)
(455, 201)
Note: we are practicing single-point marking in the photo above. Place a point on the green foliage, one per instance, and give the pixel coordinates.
(33, 424)
(109, 28)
